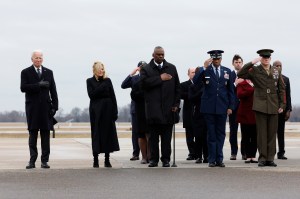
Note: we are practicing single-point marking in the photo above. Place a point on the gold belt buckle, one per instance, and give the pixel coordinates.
(268, 90)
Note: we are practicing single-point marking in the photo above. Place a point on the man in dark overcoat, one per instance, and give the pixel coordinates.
(161, 86)
(187, 114)
(41, 104)
(285, 115)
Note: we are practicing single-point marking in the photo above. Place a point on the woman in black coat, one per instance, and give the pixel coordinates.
(103, 114)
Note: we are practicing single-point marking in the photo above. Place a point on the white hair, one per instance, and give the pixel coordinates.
(36, 51)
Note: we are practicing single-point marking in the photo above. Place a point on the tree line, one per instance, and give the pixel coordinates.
(75, 115)
(82, 115)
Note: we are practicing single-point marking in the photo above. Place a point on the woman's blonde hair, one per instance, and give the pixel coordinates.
(97, 66)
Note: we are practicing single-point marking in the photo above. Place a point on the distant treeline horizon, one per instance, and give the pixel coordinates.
(82, 115)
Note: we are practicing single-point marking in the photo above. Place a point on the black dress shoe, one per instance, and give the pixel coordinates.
(198, 161)
(96, 165)
(165, 164)
(220, 164)
(211, 164)
(253, 161)
(190, 158)
(45, 165)
(133, 158)
(30, 166)
(247, 161)
(271, 164)
(205, 160)
(152, 164)
(262, 164)
(281, 157)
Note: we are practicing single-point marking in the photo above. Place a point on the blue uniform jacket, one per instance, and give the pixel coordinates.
(218, 96)
(128, 83)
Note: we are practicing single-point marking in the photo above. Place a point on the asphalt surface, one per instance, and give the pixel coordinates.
(150, 183)
(72, 176)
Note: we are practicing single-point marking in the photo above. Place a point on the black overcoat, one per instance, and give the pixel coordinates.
(39, 101)
(187, 112)
(103, 114)
(160, 96)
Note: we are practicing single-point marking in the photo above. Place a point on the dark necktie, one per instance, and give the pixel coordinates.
(217, 74)
(39, 73)
(159, 66)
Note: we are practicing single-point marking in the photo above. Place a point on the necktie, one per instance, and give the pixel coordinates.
(159, 66)
(217, 74)
(39, 73)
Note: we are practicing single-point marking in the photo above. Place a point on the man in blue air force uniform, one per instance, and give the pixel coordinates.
(216, 102)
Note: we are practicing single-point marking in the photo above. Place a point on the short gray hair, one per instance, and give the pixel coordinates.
(36, 51)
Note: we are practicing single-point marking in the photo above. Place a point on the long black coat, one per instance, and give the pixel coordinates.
(38, 101)
(103, 114)
(160, 96)
(187, 113)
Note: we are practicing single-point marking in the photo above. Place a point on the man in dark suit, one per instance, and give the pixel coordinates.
(161, 86)
(285, 115)
(41, 104)
(216, 103)
(237, 63)
(187, 114)
(198, 121)
(128, 83)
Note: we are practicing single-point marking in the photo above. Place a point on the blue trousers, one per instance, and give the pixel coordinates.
(215, 136)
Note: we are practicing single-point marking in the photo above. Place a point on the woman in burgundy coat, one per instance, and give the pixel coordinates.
(246, 117)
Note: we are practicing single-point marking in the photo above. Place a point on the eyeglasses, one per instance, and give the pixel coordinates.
(278, 65)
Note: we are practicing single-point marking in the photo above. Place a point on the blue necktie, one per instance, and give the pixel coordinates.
(217, 74)
(159, 66)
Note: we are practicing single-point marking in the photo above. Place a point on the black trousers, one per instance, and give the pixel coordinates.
(45, 145)
(135, 137)
(280, 134)
(165, 133)
(250, 139)
(190, 142)
(200, 133)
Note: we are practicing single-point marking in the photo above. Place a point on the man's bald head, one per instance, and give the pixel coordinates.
(278, 65)
(191, 72)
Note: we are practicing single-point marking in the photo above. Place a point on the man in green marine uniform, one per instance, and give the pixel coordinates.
(268, 101)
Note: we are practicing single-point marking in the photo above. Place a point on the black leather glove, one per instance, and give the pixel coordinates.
(52, 112)
(44, 84)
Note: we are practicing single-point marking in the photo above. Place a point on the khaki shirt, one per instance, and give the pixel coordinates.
(269, 89)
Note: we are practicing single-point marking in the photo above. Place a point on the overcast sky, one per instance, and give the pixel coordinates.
(74, 34)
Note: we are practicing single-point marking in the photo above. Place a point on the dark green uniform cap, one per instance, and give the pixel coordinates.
(265, 52)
